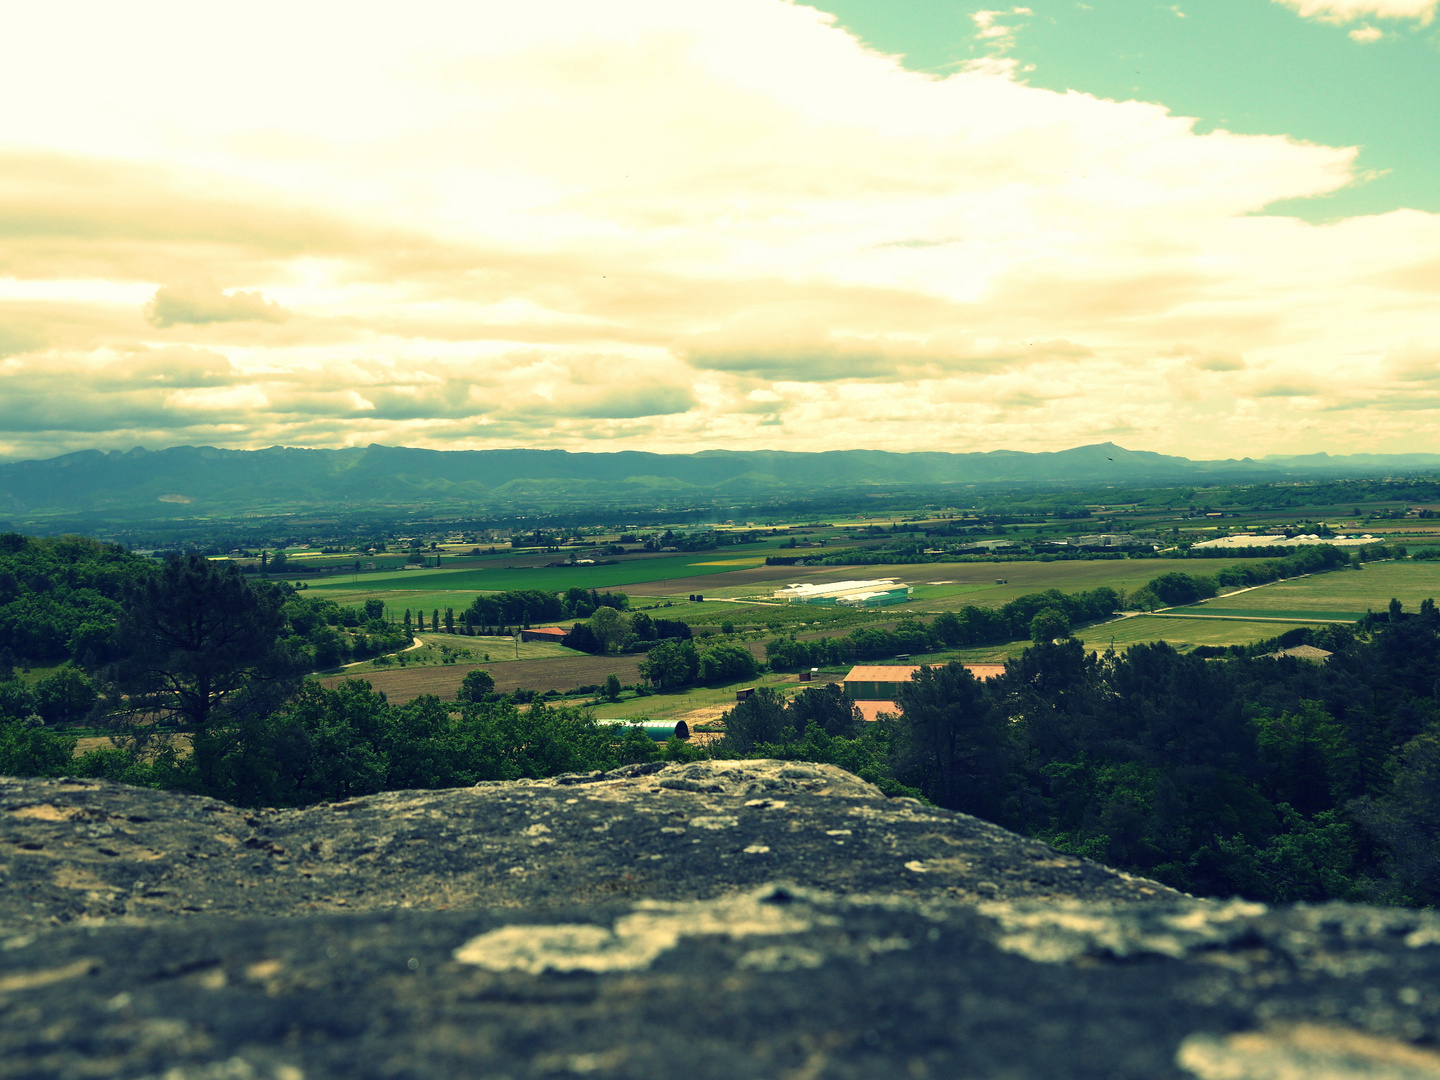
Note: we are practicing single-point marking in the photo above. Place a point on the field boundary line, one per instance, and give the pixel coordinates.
(1241, 618)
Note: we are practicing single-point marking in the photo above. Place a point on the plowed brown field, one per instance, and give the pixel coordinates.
(540, 675)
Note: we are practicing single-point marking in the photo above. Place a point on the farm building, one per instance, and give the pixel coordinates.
(1304, 652)
(874, 688)
(545, 633)
(878, 593)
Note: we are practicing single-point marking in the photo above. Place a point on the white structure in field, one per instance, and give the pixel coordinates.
(877, 593)
(1247, 540)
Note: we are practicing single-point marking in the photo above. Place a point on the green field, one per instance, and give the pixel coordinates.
(442, 588)
(1342, 595)
(938, 586)
(669, 705)
(1237, 618)
(975, 583)
(465, 650)
(1272, 613)
(1182, 633)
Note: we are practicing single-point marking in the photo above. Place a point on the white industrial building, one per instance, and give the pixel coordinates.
(1309, 539)
(880, 592)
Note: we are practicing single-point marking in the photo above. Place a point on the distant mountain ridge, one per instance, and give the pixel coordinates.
(204, 479)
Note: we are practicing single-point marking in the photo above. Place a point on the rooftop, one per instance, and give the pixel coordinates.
(903, 672)
(1305, 652)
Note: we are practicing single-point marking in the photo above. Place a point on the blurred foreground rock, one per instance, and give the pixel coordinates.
(731, 919)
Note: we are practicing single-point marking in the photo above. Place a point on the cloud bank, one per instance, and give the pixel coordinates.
(668, 226)
(198, 304)
(1342, 11)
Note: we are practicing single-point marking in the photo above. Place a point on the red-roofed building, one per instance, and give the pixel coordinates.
(545, 633)
(875, 687)
(871, 710)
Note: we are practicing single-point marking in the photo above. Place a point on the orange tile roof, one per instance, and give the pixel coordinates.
(903, 672)
(882, 673)
(871, 710)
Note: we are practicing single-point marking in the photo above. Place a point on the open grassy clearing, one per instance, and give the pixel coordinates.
(561, 674)
(446, 587)
(1345, 592)
(975, 583)
(674, 705)
(1210, 611)
(471, 651)
(732, 575)
(1183, 634)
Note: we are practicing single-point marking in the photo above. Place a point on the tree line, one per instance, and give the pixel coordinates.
(1271, 778)
(1251, 774)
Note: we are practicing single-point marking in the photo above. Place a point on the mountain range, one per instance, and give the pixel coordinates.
(202, 481)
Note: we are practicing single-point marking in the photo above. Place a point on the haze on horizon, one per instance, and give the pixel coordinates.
(674, 225)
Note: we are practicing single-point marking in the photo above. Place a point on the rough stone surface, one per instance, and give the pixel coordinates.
(529, 930)
(87, 849)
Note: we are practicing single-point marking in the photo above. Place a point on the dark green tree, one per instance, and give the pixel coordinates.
(200, 639)
(609, 627)
(955, 742)
(725, 663)
(476, 685)
(827, 707)
(17, 702)
(670, 664)
(27, 749)
(1308, 756)
(327, 646)
(1405, 817)
(64, 696)
(760, 718)
(1050, 624)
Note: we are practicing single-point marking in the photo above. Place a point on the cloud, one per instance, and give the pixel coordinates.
(821, 362)
(1365, 35)
(661, 226)
(1218, 362)
(1413, 362)
(197, 303)
(1285, 390)
(997, 28)
(1343, 11)
(175, 368)
(617, 404)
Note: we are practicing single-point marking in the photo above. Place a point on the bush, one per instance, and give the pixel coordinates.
(476, 686)
(726, 663)
(671, 663)
(30, 750)
(66, 695)
(760, 718)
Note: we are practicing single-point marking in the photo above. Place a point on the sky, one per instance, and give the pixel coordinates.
(677, 225)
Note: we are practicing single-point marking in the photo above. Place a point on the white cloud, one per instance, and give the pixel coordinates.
(1343, 11)
(1364, 35)
(997, 28)
(663, 224)
(198, 303)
